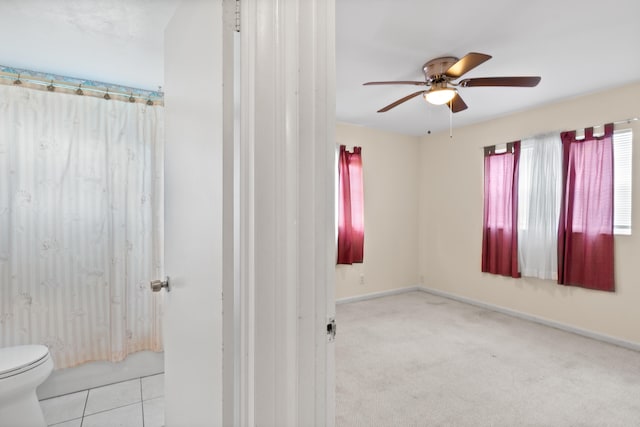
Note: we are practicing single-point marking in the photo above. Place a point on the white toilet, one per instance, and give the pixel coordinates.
(22, 369)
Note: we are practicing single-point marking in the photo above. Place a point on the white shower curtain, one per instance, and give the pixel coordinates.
(80, 224)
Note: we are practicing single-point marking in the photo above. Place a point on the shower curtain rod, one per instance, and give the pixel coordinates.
(40, 80)
(619, 122)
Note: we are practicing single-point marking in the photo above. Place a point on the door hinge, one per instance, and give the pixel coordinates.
(331, 329)
(237, 16)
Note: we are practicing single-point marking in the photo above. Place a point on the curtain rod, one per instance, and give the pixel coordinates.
(79, 86)
(632, 119)
(618, 122)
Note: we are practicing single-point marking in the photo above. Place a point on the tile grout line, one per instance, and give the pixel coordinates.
(64, 422)
(86, 400)
(141, 402)
(98, 386)
(111, 409)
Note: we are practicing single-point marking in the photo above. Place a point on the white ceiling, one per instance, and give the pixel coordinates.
(112, 41)
(576, 46)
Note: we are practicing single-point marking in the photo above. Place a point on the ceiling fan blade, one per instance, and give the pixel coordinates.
(466, 63)
(530, 81)
(457, 104)
(400, 101)
(400, 82)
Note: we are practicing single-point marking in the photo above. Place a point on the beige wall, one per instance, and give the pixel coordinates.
(390, 167)
(451, 209)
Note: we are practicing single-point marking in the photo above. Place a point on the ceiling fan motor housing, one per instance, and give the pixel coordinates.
(434, 70)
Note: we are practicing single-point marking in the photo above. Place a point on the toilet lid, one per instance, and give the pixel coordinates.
(21, 357)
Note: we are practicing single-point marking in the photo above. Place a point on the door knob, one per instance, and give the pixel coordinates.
(157, 285)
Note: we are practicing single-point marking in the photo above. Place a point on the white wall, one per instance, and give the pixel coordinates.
(390, 168)
(451, 209)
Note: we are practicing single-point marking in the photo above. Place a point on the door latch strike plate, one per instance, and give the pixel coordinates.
(331, 329)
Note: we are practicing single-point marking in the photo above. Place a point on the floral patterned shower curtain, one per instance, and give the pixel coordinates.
(80, 224)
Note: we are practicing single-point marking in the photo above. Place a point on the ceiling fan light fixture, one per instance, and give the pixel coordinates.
(440, 96)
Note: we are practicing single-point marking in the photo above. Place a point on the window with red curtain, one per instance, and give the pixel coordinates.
(500, 231)
(350, 206)
(585, 232)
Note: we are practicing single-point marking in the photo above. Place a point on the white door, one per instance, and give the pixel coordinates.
(195, 188)
(283, 374)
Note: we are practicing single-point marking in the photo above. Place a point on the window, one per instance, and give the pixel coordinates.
(499, 235)
(350, 207)
(622, 181)
(539, 199)
(585, 230)
(582, 210)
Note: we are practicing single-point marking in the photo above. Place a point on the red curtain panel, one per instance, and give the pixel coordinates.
(350, 207)
(585, 231)
(500, 232)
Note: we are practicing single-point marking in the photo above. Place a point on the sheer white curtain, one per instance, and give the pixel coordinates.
(80, 224)
(539, 198)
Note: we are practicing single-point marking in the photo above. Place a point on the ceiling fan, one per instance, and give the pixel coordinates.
(440, 74)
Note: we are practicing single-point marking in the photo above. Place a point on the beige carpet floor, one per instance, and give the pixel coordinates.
(416, 359)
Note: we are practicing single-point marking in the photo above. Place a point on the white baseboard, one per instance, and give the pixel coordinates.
(376, 295)
(541, 320)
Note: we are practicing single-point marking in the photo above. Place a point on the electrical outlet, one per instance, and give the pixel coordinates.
(362, 279)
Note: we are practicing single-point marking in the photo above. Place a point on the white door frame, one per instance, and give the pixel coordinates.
(230, 329)
(287, 248)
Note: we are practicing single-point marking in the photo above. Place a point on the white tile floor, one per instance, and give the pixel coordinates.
(134, 403)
